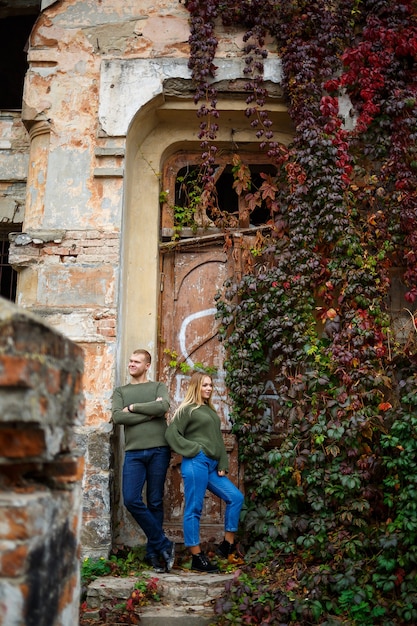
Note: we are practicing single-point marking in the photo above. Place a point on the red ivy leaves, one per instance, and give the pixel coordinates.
(370, 65)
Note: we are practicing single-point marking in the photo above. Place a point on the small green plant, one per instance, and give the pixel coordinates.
(163, 197)
(123, 562)
(357, 604)
(192, 202)
(189, 193)
(176, 363)
(183, 218)
(94, 568)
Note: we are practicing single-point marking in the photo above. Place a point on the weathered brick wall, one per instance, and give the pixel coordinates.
(67, 278)
(41, 472)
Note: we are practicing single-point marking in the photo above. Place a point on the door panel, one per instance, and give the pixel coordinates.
(191, 277)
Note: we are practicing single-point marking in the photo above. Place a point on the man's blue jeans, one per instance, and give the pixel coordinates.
(148, 466)
(200, 473)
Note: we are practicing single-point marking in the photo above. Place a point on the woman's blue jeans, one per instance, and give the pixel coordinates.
(199, 474)
(148, 466)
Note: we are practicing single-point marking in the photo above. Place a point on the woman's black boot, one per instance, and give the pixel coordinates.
(200, 563)
(225, 548)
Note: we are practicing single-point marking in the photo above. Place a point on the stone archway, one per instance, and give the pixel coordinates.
(165, 125)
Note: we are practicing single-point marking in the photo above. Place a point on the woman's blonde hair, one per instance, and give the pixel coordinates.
(193, 394)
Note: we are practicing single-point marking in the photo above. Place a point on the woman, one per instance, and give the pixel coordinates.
(195, 434)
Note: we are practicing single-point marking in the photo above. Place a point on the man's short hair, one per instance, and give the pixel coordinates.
(145, 353)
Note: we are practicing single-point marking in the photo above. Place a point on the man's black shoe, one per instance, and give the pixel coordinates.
(200, 563)
(169, 556)
(155, 562)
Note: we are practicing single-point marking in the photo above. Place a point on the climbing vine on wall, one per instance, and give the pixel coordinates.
(331, 456)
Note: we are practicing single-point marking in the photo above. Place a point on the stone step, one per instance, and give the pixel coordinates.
(187, 598)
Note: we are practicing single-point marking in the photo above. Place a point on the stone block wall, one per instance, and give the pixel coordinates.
(41, 471)
(68, 278)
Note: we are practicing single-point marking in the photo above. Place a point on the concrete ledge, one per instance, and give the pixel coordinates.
(187, 598)
(176, 616)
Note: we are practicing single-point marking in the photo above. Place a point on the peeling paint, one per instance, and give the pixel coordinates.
(127, 85)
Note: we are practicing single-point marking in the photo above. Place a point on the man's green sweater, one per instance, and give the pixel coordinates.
(197, 428)
(145, 426)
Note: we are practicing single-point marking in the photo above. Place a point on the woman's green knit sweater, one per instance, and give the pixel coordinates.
(196, 428)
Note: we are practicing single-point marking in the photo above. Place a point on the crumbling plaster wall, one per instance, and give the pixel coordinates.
(100, 123)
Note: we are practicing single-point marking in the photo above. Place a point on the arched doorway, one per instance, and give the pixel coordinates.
(167, 291)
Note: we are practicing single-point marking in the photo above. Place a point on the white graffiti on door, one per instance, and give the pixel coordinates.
(183, 329)
(220, 399)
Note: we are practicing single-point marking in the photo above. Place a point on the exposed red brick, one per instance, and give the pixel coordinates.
(43, 405)
(107, 323)
(53, 380)
(20, 444)
(17, 371)
(14, 526)
(66, 470)
(60, 250)
(13, 562)
(107, 332)
(77, 384)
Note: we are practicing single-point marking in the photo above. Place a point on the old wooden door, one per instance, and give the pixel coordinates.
(193, 270)
(191, 275)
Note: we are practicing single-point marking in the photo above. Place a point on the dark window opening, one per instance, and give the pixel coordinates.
(8, 276)
(14, 34)
(184, 181)
(227, 199)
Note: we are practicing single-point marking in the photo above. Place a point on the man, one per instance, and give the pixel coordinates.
(140, 407)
